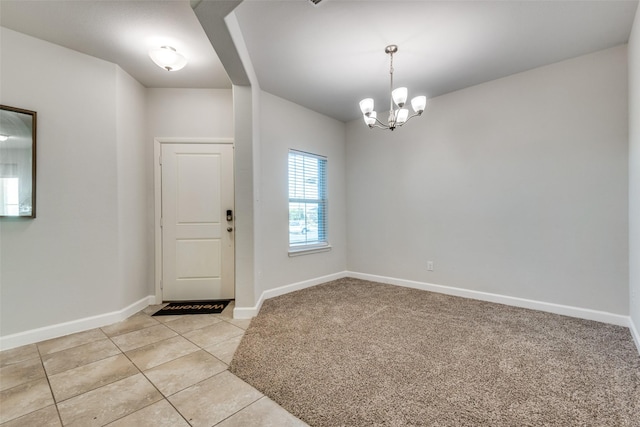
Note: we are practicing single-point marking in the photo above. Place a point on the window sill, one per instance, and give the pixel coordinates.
(308, 250)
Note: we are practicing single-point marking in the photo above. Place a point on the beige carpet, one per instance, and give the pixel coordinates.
(357, 353)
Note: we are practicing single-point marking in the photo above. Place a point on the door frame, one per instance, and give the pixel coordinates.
(157, 194)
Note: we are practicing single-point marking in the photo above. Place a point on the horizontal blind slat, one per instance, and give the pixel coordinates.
(307, 199)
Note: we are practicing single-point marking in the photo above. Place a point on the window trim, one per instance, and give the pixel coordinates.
(315, 247)
(309, 249)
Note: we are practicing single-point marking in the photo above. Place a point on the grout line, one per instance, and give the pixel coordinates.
(241, 409)
(150, 382)
(53, 396)
(73, 346)
(138, 369)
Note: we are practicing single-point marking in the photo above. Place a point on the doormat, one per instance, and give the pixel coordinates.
(192, 307)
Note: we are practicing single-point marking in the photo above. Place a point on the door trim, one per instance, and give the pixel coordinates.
(157, 196)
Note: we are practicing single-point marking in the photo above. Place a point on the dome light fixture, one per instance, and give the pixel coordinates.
(166, 57)
(399, 116)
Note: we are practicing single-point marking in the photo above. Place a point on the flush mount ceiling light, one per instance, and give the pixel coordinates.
(399, 116)
(3, 138)
(168, 58)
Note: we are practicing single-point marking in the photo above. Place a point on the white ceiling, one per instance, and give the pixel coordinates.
(328, 57)
(123, 32)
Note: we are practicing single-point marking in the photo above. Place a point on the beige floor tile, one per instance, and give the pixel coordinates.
(240, 323)
(167, 318)
(79, 356)
(191, 322)
(133, 323)
(89, 377)
(263, 413)
(137, 339)
(227, 313)
(161, 352)
(45, 417)
(153, 308)
(69, 341)
(160, 414)
(18, 354)
(20, 373)
(184, 372)
(24, 399)
(109, 403)
(214, 334)
(215, 399)
(224, 350)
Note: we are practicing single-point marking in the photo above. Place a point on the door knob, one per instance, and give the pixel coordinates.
(229, 229)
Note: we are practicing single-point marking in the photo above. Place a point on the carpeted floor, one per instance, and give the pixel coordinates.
(357, 353)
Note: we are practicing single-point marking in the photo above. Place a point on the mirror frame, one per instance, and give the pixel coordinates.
(34, 116)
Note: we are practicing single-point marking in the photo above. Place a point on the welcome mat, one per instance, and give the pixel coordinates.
(192, 307)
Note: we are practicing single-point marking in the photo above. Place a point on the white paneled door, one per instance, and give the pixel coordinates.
(197, 222)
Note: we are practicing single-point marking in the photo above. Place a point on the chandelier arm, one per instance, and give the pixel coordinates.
(378, 126)
(410, 117)
(382, 125)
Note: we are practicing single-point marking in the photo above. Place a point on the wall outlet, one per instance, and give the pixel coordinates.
(430, 265)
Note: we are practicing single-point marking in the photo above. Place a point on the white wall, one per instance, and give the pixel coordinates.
(634, 177)
(182, 113)
(516, 187)
(190, 113)
(247, 204)
(62, 266)
(285, 125)
(134, 258)
(87, 258)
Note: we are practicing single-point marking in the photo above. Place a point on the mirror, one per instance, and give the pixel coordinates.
(17, 162)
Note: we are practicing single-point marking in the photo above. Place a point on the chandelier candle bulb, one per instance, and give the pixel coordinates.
(419, 103)
(398, 96)
(403, 114)
(366, 106)
(370, 119)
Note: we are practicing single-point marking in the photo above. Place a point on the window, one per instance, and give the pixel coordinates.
(307, 202)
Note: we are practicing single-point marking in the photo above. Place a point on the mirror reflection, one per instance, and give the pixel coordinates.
(17, 162)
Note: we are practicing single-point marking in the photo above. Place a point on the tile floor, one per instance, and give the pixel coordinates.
(144, 371)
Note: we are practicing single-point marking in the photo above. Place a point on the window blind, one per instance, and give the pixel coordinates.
(307, 200)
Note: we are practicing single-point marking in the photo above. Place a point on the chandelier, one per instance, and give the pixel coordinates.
(399, 116)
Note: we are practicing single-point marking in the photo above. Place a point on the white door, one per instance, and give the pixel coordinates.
(197, 235)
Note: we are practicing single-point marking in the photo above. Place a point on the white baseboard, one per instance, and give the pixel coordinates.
(54, 331)
(565, 310)
(249, 312)
(582, 313)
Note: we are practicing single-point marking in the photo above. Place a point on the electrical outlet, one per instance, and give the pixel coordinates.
(430, 265)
